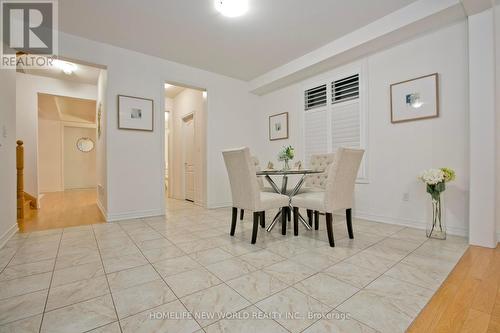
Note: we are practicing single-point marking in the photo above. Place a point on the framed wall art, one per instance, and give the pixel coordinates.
(278, 126)
(135, 113)
(415, 99)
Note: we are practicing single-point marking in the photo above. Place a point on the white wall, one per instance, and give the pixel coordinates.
(50, 155)
(100, 147)
(169, 103)
(482, 129)
(134, 164)
(79, 167)
(188, 101)
(27, 89)
(8, 221)
(399, 152)
(60, 165)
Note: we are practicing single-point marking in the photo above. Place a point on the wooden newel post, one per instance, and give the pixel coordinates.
(20, 179)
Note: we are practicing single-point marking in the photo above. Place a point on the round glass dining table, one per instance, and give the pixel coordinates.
(284, 190)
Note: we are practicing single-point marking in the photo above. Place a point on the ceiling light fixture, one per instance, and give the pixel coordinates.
(67, 67)
(167, 85)
(231, 8)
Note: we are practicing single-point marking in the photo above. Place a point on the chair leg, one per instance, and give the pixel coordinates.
(289, 214)
(263, 219)
(329, 229)
(295, 221)
(316, 220)
(310, 217)
(283, 220)
(242, 214)
(255, 226)
(348, 218)
(233, 220)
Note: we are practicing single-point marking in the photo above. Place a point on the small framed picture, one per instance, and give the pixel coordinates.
(278, 126)
(415, 99)
(135, 113)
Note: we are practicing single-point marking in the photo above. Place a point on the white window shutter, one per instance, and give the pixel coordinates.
(316, 133)
(345, 126)
(345, 89)
(315, 97)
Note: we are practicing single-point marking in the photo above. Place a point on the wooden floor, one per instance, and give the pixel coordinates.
(469, 299)
(64, 209)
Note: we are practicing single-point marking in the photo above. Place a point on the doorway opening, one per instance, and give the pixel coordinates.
(59, 119)
(185, 143)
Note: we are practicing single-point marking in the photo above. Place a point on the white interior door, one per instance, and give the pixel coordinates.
(189, 176)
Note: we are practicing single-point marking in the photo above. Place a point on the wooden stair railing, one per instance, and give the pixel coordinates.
(20, 179)
(26, 203)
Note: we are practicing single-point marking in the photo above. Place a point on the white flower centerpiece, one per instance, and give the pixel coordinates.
(286, 154)
(436, 180)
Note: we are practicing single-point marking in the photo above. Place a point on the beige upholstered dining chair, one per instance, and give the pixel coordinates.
(245, 189)
(317, 182)
(262, 187)
(319, 162)
(338, 193)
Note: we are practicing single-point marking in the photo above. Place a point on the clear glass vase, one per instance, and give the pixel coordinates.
(436, 228)
(286, 166)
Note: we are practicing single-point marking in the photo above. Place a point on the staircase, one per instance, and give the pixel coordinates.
(26, 203)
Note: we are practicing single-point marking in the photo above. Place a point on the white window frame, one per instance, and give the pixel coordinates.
(360, 68)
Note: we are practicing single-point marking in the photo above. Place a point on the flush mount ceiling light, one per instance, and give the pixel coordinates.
(67, 67)
(231, 8)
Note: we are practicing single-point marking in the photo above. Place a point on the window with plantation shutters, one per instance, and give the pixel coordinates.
(315, 97)
(334, 118)
(345, 89)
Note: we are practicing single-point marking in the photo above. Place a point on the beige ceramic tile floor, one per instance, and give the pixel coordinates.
(184, 273)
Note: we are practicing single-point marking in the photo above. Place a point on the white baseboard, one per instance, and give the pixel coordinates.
(7, 235)
(137, 214)
(408, 223)
(220, 205)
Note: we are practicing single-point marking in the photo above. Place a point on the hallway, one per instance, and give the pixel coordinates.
(64, 209)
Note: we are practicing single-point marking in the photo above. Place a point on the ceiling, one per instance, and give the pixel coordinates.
(82, 74)
(54, 107)
(191, 32)
(173, 91)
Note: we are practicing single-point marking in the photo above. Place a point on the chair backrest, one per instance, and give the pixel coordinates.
(339, 191)
(319, 162)
(241, 170)
(256, 163)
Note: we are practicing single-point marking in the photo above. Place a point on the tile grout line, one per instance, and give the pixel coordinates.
(161, 277)
(288, 286)
(361, 250)
(388, 237)
(249, 301)
(222, 282)
(13, 255)
(107, 282)
(50, 283)
(384, 237)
